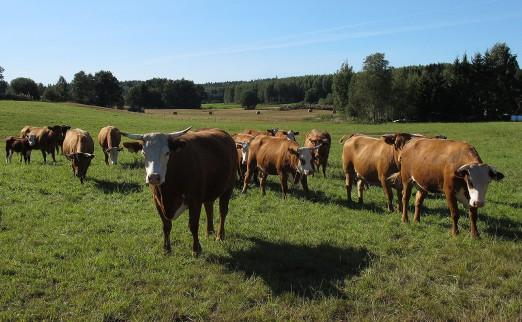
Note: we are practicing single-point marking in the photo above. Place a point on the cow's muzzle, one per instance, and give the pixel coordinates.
(154, 179)
(476, 203)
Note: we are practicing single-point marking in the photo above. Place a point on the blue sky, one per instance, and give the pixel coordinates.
(242, 40)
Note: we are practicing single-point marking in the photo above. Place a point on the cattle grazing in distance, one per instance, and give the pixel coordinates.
(133, 147)
(370, 161)
(278, 156)
(290, 134)
(243, 146)
(109, 139)
(451, 167)
(78, 147)
(22, 146)
(47, 139)
(315, 138)
(187, 170)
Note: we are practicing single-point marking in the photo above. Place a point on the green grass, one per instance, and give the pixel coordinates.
(93, 252)
(215, 106)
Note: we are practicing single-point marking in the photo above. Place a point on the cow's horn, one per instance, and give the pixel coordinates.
(179, 133)
(132, 136)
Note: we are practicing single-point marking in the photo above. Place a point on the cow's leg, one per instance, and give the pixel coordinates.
(8, 155)
(304, 183)
(419, 199)
(283, 178)
(29, 156)
(223, 211)
(262, 183)
(406, 193)
(248, 175)
(349, 178)
(451, 199)
(194, 213)
(106, 157)
(388, 192)
(44, 155)
(473, 222)
(360, 191)
(209, 210)
(53, 154)
(167, 226)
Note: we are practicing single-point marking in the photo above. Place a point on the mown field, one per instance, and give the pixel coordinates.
(94, 251)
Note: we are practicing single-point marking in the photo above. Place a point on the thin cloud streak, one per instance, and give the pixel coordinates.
(329, 38)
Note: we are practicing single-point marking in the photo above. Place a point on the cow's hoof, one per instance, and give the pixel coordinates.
(196, 250)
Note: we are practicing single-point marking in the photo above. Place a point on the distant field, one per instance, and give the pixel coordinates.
(93, 252)
(219, 106)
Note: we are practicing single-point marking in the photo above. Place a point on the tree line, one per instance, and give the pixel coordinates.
(104, 89)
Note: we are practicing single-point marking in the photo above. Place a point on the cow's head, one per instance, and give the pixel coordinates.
(477, 177)
(80, 163)
(398, 140)
(305, 157)
(31, 138)
(291, 134)
(245, 147)
(65, 128)
(56, 128)
(272, 131)
(113, 154)
(156, 149)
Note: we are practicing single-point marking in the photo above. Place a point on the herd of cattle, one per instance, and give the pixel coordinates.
(191, 169)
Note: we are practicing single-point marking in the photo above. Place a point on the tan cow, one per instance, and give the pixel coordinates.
(188, 170)
(278, 156)
(242, 146)
(315, 138)
(78, 147)
(290, 134)
(109, 139)
(46, 138)
(269, 132)
(370, 161)
(451, 167)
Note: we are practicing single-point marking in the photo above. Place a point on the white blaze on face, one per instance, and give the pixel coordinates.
(31, 137)
(477, 177)
(156, 151)
(245, 147)
(291, 135)
(305, 161)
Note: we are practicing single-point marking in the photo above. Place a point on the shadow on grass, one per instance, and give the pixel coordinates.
(503, 227)
(309, 272)
(136, 164)
(119, 187)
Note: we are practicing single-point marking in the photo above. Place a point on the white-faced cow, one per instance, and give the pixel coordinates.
(109, 139)
(278, 156)
(290, 134)
(451, 167)
(315, 138)
(187, 170)
(22, 146)
(78, 147)
(243, 147)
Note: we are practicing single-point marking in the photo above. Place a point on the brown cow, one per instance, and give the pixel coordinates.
(314, 138)
(59, 145)
(188, 170)
(290, 134)
(78, 147)
(133, 147)
(47, 139)
(109, 139)
(368, 160)
(447, 166)
(269, 132)
(278, 156)
(242, 146)
(20, 145)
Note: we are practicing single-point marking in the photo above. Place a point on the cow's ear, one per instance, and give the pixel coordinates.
(50, 128)
(296, 133)
(292, 151)
(495, 175)
(239, 145)
(176, 145)
(462, 171)
(389, 138)
(285, 133)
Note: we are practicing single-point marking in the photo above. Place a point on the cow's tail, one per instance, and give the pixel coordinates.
(395, 180)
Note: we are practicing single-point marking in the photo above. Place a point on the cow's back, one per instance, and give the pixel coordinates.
(109, 137)
(272, 153)
(368, 156)
(78, 140)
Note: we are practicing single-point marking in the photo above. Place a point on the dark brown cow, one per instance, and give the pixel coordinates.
(269, 132)
(314, 138)
(278, 156)
(47, 139)
(20, 145)
(59, 145)
(188, 170)
(134, 147)
(78, 147)
(368, 160)
(109, 139)
(451, 167)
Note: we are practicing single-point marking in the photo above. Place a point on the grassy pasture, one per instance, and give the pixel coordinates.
(93, 252)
